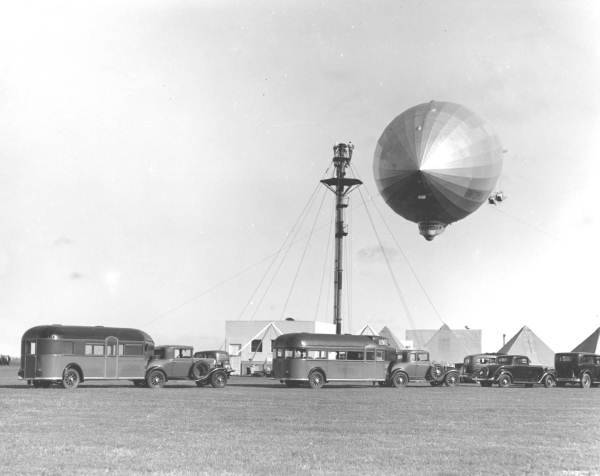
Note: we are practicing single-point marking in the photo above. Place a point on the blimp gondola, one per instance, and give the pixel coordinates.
(436, 163)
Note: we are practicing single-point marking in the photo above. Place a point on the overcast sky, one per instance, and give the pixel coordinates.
(154, 155)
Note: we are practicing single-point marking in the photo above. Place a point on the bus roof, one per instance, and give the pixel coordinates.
(85, 332)
(308, 339)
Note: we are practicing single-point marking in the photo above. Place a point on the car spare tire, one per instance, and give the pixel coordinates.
(199, 370)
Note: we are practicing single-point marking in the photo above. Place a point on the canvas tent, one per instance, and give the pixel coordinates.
(590, 344)
(392, 339)
(445, 344)
(525, 342)
(367, 331)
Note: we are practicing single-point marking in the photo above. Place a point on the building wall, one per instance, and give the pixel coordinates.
(239, 336)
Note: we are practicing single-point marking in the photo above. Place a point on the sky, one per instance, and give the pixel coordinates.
(156, 155)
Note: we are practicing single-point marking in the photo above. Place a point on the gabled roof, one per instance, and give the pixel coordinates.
(392, 339)
(525, 342)
(590, 344)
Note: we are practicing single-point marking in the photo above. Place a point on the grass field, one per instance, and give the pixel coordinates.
(257, 426)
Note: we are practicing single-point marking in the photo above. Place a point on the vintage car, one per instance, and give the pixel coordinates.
(472, 363)
(220, 356)
(514, 369)
(415, 366)
(176, 362)
(577, 368)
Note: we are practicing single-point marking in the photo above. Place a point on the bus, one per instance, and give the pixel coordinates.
(320, 358)
(69, 355)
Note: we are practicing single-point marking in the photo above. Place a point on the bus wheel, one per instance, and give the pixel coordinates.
(399, 379)
(218, 379)
(70, 378)
(156, 379)
(316, 379)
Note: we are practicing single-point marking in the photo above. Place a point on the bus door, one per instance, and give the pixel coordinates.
(30, 363)
(111, 357)
(380, 365)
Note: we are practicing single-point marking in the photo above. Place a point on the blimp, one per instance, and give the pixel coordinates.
(436, 163)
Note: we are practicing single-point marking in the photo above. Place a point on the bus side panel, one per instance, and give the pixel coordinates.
(132, 366)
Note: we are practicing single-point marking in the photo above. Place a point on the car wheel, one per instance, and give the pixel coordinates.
(549, 381)
(399, 379)
(316, 379)
(504, 381)
(218, 379)
(586, 381)
(156, 379)
(70, 378)
(450, 380)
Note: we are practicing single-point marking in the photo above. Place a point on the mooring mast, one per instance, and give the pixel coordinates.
(341, 186)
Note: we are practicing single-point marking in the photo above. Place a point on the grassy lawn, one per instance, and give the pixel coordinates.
(256, 426)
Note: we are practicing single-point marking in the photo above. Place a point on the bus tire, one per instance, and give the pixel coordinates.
(156, 379)
(71, 378)
(218, 379)
(199, 370)
(399, 379)
(316, 379)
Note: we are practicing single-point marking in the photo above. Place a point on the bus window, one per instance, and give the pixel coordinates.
(300, 354)
(331, 355)
(288, 353)
(379, 355)
(341, 355)
(30, 348)
(370, 355)
(94, 349)
(355, 355)
(133, 349)
(317, 354)
(110, 349)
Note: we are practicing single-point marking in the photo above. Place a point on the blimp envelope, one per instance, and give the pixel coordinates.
(436, 163)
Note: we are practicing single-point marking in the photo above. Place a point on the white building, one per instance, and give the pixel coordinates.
(249, 342)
